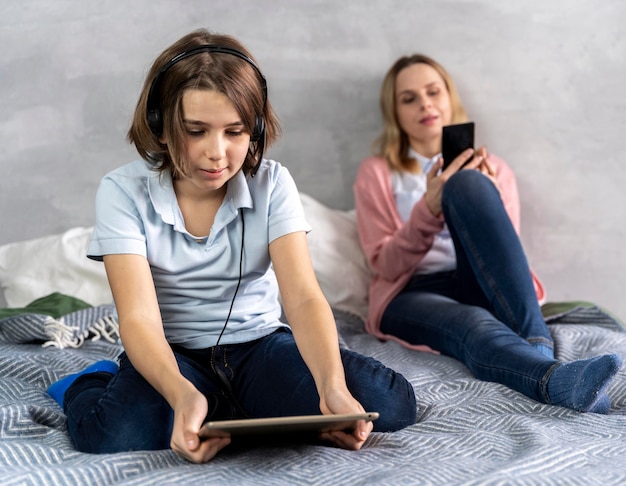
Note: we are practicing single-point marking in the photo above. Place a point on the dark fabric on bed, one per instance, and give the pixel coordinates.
(469, 432)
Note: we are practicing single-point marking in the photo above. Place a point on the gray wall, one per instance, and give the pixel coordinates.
(543, 80)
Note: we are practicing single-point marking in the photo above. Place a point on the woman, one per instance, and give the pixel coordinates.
(450, 271)
(198, 237)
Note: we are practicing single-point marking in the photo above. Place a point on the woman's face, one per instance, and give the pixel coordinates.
(423, 107)
(216, 140)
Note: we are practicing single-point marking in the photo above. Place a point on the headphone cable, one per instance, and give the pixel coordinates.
(232, 302)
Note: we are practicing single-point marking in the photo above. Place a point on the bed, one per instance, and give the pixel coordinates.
(58, 317)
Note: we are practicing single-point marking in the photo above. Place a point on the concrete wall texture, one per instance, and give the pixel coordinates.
(544, 82)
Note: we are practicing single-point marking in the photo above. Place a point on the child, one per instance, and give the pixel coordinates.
(197, 238)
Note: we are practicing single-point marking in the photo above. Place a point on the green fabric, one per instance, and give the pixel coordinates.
(55, 305)
(550, 309)
(553, 308)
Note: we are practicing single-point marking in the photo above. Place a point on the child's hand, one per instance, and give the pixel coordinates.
(343, 402)
(189, 414)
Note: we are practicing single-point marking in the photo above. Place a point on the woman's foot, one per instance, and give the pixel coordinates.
(58, 388)
(581, 385)
(602, 404)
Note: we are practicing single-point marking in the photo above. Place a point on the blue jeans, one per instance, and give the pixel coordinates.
(485, 313)
(265, 378)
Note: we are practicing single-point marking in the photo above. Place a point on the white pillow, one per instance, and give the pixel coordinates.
(339, 262)
(58, 263)
(36, 268)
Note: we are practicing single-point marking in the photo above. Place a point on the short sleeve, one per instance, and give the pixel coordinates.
(286, 214)
(119, 228)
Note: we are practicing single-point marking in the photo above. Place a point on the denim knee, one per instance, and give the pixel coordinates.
(400, 407)
(91, 437)
(465, 182)
(99, 423)
(380, 389)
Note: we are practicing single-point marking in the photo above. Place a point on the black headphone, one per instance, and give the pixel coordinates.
(153, 109)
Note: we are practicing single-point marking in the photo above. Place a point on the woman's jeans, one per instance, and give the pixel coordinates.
(485, 314)
(264, 378)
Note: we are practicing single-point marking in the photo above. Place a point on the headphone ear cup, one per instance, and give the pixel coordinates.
(258, 131)
(154, 122)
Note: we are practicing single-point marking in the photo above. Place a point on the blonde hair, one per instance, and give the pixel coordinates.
(227, 74)
(393, 143)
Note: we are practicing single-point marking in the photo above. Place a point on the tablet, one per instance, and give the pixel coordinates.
(284, 425)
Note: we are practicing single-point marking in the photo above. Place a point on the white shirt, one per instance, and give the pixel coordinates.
(408, 188)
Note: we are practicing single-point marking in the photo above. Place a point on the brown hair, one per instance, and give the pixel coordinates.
(393, 143)
(225, 73)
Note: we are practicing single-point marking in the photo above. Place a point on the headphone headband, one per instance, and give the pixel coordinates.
(153, 109)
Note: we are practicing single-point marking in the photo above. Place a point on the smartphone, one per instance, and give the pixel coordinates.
(454, 140)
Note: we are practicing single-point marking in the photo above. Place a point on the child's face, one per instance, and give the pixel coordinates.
(216, 139)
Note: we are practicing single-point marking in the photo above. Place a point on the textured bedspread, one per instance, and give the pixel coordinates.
(470, 432)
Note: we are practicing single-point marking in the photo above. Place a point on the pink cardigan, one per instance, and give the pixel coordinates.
(394, 249)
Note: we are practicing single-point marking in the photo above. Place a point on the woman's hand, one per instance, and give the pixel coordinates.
(337, 401)
(436, 180)
(190, 410)
(485, 167)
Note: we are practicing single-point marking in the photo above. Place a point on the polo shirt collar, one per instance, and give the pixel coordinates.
(238, 192)
(163, 197)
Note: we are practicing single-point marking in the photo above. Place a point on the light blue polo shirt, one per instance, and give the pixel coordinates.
(195, 276)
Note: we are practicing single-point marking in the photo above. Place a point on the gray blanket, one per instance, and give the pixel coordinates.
(469, 432)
